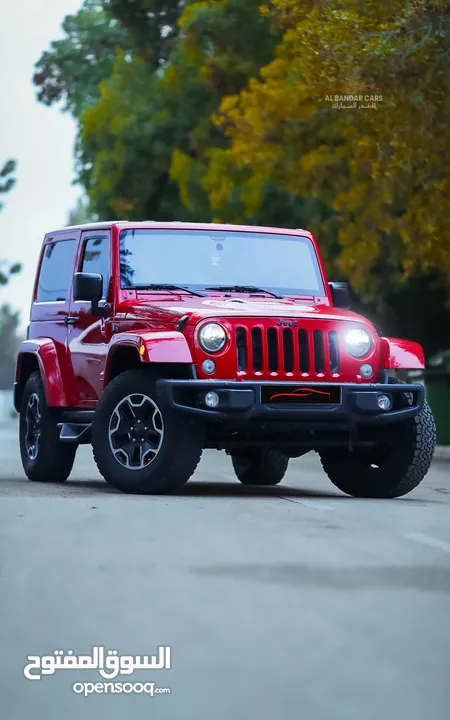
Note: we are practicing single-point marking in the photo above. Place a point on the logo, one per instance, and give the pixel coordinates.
(109, 664)
(301, 392)
(355, 96)
(287, 323)
(304, 395)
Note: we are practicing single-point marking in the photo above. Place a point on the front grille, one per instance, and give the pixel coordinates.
(287, 351)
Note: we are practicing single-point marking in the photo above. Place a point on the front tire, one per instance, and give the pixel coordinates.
(44, 457)
(262, 466)
(140, 447)
(392, 469)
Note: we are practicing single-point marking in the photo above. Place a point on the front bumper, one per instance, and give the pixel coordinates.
(240, 403)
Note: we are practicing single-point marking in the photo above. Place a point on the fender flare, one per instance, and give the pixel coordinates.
(44, 352)
(164, 346)
(401, 354)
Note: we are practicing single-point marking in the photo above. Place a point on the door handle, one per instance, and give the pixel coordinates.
(71, 320)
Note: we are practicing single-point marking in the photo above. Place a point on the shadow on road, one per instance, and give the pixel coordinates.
(415, 577)
(214, 489)
(228, 489)
(79, 486)
(235, 489)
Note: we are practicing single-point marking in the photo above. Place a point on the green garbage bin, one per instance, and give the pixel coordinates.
(437, 390)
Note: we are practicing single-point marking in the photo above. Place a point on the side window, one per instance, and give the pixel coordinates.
(56, 271)
(96, 259)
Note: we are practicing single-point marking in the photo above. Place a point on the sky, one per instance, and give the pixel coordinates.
(41, 139)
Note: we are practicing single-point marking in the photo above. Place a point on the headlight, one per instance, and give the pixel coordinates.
(358, 342)
(212, 337)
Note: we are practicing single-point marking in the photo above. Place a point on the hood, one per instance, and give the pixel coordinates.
(197, 308)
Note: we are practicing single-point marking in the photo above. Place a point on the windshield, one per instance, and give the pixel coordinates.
(202, 259)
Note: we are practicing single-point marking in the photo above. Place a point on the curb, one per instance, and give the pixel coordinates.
(442, 453)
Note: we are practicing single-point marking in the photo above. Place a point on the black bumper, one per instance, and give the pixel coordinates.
(240, 402)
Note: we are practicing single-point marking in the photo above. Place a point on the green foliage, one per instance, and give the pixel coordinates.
(127, 142)
(82, 212)
(222, 45)
(7, 182)
(152, 25)
(71, 71)
(143, 79)
(7, 269)
(9, 342)
(216, 110)
(383, 171)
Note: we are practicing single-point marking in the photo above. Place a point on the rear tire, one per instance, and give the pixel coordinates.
(44, 457)
(262, 466)
(139, 446)
(393, 470)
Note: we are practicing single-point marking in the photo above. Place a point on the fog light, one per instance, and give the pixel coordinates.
(208, 366)
(384, 402)
(211, 399)
(366, 370)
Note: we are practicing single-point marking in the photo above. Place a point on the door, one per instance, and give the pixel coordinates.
(51, 301)
(88, 335)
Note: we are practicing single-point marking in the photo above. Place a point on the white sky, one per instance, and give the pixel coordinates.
(39, 138)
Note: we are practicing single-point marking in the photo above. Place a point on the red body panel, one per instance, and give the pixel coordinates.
(44, 350)
(165, 347)
(159, 347)
(401, 354)
(88, 343)
(160, 307)
(348, 370)
(75, 359)
(48, 327)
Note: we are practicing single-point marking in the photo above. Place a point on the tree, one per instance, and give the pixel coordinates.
(72, 69)
(384, 171)
(82, 212)
(7, 182)
(152, 25)
(220, 110)
(163, 68)
(222, 45)
(9, 342)
(218, 47)
(126, 145)
(88, 72)
(7, 269)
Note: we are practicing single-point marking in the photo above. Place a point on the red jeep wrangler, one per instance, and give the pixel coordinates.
(155, 340)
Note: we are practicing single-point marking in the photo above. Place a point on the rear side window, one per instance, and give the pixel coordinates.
(96, 259)
(56, 271)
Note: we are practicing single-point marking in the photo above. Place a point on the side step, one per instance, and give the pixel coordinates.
(77, 433)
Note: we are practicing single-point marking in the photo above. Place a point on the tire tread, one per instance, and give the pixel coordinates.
(184, 457)
(55, 459)
(268, 466)
(421, 436)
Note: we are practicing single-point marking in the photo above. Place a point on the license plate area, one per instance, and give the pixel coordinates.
(301, 395)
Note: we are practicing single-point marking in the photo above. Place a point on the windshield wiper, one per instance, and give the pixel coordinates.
(165, 286)
(245, 288)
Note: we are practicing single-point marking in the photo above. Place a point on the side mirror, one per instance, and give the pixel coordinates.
(341, 295)
(89, 287)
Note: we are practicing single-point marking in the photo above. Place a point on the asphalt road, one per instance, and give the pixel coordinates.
(284, 603)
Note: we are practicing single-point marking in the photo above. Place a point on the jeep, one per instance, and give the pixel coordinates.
(152, 341)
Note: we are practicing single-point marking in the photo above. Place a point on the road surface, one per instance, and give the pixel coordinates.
(283, 603)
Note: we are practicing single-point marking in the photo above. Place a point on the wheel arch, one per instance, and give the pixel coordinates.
(164, 354)
(41, 356)
(401, 354)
